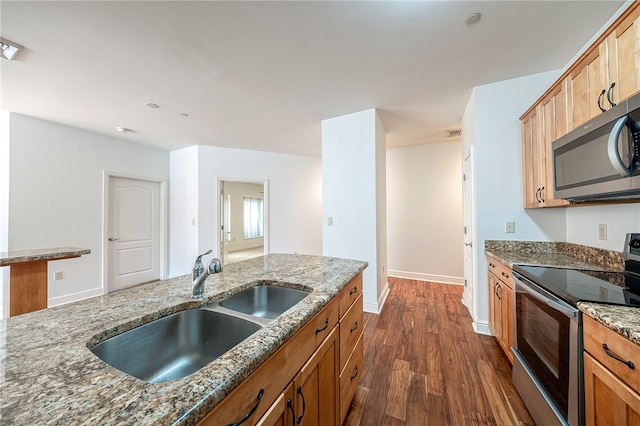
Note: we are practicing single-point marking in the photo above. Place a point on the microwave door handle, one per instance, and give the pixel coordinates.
(612, 147)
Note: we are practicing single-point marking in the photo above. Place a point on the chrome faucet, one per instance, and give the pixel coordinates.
(200, 274)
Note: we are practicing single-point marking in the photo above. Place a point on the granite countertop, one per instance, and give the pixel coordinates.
(22, 256)
(48, 375)
(625, 320)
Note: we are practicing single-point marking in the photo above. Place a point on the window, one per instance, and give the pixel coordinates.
(252, 218)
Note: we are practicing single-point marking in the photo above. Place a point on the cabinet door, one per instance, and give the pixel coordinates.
(316, 386)
(624, 57)
(608, 401)
(587, 82)
(532, 165)
(506, 319)
(281, 412)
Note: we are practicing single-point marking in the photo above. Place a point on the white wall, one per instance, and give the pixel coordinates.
(353, 165)
(294, 200)
(56, 195)
(582, 224)
(424, 212)
(4, 205)
(491, 124)
(238, 191)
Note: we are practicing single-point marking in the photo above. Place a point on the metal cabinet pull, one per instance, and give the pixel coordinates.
(113, 239)
(600, 97)
(354, 328)
(492, 265)
(616, 357)
(541, 197)
(609, 94)
(251, 412)
(505, 275)
(299, 391)
(326, 324)
(293, 414)
(354, 374)
(352, 291)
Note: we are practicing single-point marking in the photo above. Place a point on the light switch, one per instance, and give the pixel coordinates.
(330, 221)
(57, 276)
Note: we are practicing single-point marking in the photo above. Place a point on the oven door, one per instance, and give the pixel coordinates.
(547, 353)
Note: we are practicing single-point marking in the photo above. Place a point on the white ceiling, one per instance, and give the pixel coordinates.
(262, 75)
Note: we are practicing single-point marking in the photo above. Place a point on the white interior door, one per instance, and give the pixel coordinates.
(467, 191)
(133, 232)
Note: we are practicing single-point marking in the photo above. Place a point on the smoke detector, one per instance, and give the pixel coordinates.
(454, 133)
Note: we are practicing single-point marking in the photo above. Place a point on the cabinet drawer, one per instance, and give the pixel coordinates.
(350, 378)
(351, 326)
(500, 270)
(350, 293)
(597, 335)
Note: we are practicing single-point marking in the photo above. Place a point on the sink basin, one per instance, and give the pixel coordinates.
(174, 346)
(264, 301)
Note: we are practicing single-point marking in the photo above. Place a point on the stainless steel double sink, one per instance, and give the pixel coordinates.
(182, 343)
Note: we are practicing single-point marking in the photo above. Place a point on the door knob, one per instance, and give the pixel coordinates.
(113, 239)
(468, 244)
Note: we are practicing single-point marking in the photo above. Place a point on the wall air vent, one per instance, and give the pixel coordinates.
(454, 133)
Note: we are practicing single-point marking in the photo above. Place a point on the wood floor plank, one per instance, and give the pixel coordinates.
(401, 375)
(425, 365)
(354, 415)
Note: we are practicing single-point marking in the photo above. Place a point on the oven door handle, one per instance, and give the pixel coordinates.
(557, 305)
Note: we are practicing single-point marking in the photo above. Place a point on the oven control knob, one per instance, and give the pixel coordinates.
(634, 243)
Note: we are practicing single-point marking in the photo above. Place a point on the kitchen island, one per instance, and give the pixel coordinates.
(48, 374)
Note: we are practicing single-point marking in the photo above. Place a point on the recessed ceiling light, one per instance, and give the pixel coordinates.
(473, 18)
(152, 105)
(8, 49)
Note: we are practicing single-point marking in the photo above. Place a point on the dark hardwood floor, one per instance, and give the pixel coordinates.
(424, 365)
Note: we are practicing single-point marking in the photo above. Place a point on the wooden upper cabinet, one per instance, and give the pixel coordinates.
(623, 45)
(587, 82)
(531, 162)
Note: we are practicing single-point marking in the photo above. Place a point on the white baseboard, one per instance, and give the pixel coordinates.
(63, 300)
(481, 328)
(444, 279)
(376, 308)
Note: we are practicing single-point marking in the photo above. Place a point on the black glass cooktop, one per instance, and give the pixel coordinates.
(575, 286)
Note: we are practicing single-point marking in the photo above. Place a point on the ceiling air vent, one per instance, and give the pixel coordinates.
(454, 133)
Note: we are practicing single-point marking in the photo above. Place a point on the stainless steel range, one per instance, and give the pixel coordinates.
(547, 368)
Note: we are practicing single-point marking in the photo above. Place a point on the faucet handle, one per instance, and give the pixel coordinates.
(215, 266)
(199, 258)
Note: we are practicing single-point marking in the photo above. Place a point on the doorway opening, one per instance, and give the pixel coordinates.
(243, 219)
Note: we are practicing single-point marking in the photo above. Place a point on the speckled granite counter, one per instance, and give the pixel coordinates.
(48, 375)
(624, 320)
(557, 255)
(21, 256)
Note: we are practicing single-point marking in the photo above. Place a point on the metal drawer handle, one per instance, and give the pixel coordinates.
(492, 265)
(250, 413)
(304, 406)
(355, 289)
(354, 374)
(616, 357)
(354, 328)
(293, 414)
(505, 275)
(326, 324)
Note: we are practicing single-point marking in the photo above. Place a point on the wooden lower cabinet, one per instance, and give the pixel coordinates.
(611, 377)
(501, 307)
(608, 400)
(307, 367)
(316, 386)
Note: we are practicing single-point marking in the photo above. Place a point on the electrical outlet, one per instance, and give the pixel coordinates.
(602, 231)
(57, 276)
(510, 227)
(330, 221)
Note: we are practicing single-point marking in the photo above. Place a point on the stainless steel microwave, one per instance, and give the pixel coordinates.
(600, 160)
